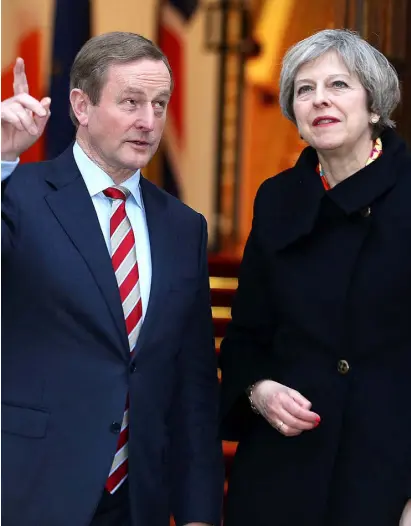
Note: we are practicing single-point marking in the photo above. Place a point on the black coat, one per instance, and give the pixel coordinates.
(325, 278)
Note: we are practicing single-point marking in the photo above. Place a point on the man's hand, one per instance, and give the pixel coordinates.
(406, 515)
(23, 118)
(284, 408)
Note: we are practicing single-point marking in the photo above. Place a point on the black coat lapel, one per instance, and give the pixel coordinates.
(363, 188)
(302, 191)
(296, 208)
(70, 202)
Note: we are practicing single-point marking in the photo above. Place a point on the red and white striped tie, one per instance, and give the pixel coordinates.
(124, 259)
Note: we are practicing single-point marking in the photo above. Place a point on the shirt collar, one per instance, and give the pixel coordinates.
(97, 180)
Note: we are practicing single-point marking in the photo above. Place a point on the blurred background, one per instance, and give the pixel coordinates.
(225, 133)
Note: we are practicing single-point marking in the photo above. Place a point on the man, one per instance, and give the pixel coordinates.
(109, 374)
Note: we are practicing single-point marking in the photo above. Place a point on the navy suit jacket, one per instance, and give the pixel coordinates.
(66, 365)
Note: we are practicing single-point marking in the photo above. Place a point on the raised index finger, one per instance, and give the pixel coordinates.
(20, 84)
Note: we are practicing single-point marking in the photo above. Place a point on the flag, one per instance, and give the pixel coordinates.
(174, 17)
(71, 31)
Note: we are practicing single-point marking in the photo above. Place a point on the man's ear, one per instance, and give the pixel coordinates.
(80, 104)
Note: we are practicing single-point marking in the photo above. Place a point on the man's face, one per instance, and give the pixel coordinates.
(124, 129)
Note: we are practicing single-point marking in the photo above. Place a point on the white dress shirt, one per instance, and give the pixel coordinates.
(96, 181)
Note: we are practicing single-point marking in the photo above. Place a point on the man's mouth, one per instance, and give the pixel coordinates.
(140, 143)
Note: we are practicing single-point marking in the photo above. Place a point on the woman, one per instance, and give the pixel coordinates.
(316, 363)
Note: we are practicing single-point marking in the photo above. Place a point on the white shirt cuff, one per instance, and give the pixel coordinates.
(8, 167)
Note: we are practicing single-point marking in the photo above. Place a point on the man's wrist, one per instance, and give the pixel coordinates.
(9, 157)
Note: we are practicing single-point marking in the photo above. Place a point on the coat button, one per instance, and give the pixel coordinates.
(366, 212)
(133, 368)
(343, 366)
(115, 428)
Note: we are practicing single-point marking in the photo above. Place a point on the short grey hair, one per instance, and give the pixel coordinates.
(374, 71)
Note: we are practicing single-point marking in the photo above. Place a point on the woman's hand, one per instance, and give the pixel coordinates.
(284, 408)
(406, 515)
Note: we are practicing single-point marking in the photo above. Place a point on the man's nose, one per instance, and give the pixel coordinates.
(146, 117)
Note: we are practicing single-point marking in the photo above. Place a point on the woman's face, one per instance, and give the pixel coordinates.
(330, 105)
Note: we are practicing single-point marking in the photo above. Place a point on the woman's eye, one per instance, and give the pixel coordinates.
(303, 89)
(339, 84)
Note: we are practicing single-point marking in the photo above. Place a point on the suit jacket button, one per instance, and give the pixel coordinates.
(133, 368)
(366, 212)
(343, 366)
(115, 428)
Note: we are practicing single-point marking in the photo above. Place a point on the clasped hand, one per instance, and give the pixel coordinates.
(285, 409)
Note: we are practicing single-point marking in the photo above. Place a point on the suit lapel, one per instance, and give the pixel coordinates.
(70, 202)
(155, 205)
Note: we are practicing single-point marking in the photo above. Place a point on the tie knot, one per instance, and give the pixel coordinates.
(117, 192)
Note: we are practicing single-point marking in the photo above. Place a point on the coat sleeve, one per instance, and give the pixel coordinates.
(9, 215)
(247, 346)
(197, 469)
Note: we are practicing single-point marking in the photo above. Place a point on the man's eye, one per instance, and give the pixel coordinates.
(159, 104)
